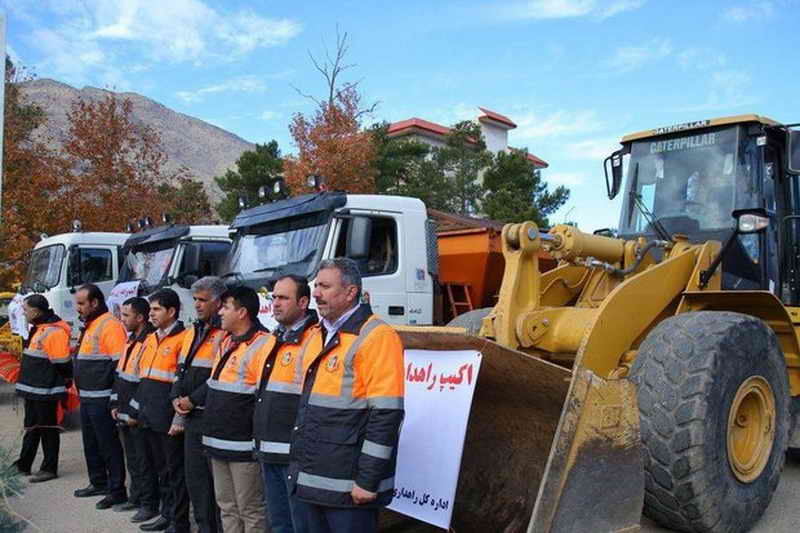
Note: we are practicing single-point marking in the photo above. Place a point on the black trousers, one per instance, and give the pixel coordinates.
(102, 449)
(335, 520)
(199, 480)
(143, 489)
(40, 426)
(167, 455)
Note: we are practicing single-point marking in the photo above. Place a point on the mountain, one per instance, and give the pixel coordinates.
(204, 149)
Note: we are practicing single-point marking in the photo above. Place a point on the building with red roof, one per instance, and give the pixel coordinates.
(494, 126)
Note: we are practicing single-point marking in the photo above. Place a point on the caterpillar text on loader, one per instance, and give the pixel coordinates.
(651, 370)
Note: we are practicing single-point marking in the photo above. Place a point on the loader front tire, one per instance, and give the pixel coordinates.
(714, 409)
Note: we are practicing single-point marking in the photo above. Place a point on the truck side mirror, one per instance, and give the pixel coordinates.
(191, 259)
(793, 151)
(615, 162)
(359, 232)
(74, 277)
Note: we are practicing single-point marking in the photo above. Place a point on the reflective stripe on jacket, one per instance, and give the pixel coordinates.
(228, 418)
(127, 380)
(46, 363)
(102, 344)
(157, 365)
(350, 413)
(280, 367)
(200, 355)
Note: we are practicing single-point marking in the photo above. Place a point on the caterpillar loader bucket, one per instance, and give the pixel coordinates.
(546, 450)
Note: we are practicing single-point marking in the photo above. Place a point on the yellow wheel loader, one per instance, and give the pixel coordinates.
(655, 368)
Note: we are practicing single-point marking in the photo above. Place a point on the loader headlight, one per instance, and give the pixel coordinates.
(752, 223)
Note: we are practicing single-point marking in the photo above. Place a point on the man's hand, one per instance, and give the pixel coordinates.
(114, 413)
(361, 496)
(132, 422)
(175, 430)
(182, 405)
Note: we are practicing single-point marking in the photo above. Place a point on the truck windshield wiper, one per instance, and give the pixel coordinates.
(636, 200)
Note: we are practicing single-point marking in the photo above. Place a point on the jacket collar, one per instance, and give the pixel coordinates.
(174, 331)
(248, 336)
(100, 311)
(356, 321)
(148, 329)
(294, 336)
(48, 318)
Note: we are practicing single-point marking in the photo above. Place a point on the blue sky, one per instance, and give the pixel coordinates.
(575, 75)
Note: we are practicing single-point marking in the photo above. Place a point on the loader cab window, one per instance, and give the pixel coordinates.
(688, 183)
(383, 256)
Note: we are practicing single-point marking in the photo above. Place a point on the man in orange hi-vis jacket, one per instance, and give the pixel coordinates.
(344, 446)
(101, 344)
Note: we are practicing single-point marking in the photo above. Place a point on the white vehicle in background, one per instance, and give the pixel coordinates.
(390, 237)
(173, 256)
(61, 263)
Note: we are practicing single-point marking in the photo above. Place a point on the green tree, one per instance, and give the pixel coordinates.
(395, 159)
(254, 168)
(188, 201)
(462, 159)
(515, 190)
(444, 177)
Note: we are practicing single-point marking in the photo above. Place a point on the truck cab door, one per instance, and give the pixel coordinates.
(97, 264)
(374, 241)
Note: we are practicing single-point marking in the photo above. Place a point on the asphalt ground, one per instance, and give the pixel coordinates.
(51, 508)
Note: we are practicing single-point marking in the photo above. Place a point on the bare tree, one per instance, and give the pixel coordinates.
(331, 69)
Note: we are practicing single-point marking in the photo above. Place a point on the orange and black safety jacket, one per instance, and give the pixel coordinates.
(46, 362)
(351, 408)
(200, 345)
(230, 397)
(151, 405)
(281, 380)
(127, 380)
(101, 345)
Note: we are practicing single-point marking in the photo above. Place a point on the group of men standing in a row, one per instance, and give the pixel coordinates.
(298, 427)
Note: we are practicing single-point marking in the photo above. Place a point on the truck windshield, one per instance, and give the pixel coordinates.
(686, 183)
(148, 264)
(293, 251)
(45, 268)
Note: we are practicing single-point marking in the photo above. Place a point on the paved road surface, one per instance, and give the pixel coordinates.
(52, 508)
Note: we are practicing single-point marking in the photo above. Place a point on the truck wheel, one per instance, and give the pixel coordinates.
(471, 320)
(714, 408)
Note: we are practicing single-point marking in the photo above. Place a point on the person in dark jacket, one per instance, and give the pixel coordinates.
(45, 375)
(143, 496)
(280, 368)
(100, 346)
(228, 420)
(200, 346)
(152, 409)
(344, 443)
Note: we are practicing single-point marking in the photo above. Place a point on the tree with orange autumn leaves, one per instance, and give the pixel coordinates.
(109, 171)
(331, 142)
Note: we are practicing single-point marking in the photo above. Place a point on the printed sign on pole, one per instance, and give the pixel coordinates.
(438, 396)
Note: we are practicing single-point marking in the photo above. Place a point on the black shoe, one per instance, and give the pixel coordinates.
(159, 525)
(15, 464)
(41, 476)
(171, 529)
(127, 506)
(143, 515)
(91, 490)
(110, 501)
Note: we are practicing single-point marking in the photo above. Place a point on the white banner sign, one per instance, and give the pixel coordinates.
(120, 293)
(265, 315)
(16, 317)
(438, 397)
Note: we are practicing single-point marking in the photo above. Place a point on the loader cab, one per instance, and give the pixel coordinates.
(689, 179)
